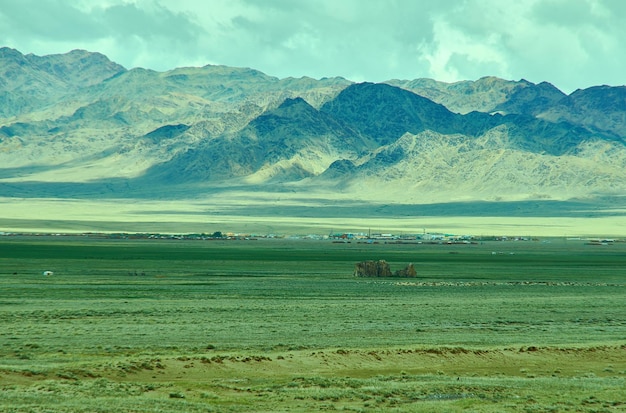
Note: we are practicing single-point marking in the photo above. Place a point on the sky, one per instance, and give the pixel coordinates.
(569, 43)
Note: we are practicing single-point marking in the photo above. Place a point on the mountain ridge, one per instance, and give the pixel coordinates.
(78, 118)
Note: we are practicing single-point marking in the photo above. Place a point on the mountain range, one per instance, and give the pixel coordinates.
(78, 125)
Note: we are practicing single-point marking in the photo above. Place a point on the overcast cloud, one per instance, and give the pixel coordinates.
(570, 43)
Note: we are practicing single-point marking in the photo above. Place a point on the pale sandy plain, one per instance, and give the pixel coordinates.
(228, 215)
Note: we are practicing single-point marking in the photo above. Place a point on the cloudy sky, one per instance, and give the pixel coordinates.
(570, 43)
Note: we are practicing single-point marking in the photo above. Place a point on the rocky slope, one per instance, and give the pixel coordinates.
(488, 94)
(29, 83)
(76, 123)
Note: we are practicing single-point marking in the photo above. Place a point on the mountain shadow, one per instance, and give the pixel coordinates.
(385, 113)
(294, 129)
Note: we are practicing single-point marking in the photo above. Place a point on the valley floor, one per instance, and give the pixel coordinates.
(277, 325)
(294, 216)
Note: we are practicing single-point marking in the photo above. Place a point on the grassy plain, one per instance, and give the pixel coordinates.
(278, 325)
(288, 213)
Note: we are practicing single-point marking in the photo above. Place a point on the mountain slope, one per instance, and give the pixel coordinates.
(78, 122)
(288, 143)
(601, 108)
(385, 113)
(531, 99)
(79, 109)
(29, 83)
(482, 95)
(431, 167)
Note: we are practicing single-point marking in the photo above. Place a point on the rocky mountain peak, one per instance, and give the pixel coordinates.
(78, 68)
(7, 53)
(599, 108)
(601, 97)
(531, 99)
(297, 101)
(386, 112)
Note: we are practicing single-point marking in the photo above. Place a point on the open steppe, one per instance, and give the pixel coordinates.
(286, 213)
(282, 325)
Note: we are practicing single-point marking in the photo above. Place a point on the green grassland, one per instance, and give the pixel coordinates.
(282, 325)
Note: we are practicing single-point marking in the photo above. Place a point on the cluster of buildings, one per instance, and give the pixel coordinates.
(425, 237)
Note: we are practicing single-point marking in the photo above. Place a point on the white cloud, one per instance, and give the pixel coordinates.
(453, 55)
(569, 43)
